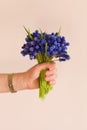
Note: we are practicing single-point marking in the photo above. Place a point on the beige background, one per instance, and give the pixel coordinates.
(65, 108)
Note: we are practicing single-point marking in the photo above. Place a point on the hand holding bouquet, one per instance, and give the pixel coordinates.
(45, 47)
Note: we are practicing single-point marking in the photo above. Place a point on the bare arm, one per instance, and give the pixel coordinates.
(17, 82)
(29, 79)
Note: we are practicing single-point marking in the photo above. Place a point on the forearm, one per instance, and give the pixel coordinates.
(17, 81)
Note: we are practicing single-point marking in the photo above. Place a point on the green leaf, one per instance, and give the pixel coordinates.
(41, 33)
(59, 32)
(28, 33)
(46, 46)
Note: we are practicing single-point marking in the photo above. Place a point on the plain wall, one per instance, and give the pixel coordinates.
(65, 107)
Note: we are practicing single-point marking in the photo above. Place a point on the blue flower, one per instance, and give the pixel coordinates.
(31, 49)
(58, 39)
(62, 59)
(43, 43)
(37, 47)
(27, 39)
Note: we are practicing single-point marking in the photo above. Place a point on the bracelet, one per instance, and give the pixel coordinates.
(10, 83)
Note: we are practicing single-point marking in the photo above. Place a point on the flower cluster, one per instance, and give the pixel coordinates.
(53, 45)
(44, 47)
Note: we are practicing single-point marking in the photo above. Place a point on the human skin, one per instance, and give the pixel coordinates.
(30, 78)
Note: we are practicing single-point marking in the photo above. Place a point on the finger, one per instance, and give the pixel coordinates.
(52, 82)
(51, 72)
(47, 65)
(51, 77)
(52, 66)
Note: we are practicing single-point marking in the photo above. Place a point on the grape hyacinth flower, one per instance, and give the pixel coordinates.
(45, 47)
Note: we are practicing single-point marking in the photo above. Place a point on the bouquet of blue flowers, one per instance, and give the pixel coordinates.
(44, 47)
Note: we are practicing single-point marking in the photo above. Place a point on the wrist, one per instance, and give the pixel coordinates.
(18, 81)
(10, 83)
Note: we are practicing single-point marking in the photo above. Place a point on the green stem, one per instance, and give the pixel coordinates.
(45, 87)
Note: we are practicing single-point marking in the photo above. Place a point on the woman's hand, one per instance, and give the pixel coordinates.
(31, 77)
